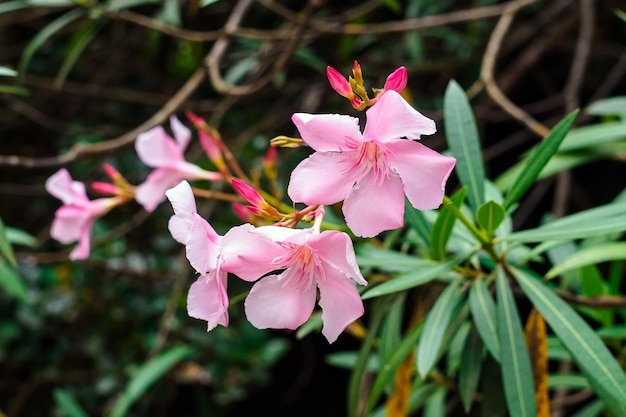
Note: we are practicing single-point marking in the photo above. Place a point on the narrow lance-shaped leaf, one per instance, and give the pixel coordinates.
(387, 369)
(464, 143)
(442, 229)
(11, 282)
(145, 376)
(538, 159)
(471, 365)
(570, 231)
(484, 313)
(5, 246)
(588, 256)
(412, 279)
(81, 38)
(517, 376)
(435, 327)
(589, 352)
(67, 404)
(43, 35)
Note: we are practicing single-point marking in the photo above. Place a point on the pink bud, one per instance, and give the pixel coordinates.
(242, 212)
(397, 80)
(358, 74)
(251, 195)
(105, 188)
(195, 119)
(111, 171)
(356, 102)
(338, 82)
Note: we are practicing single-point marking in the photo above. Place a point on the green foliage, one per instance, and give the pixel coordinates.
(464, 143)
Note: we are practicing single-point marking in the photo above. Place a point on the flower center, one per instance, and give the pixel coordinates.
(370, 156)
(302, 267)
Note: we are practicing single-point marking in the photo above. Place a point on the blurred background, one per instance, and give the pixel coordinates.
(91, 75)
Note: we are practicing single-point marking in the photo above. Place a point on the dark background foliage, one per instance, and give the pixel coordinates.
(86, 326)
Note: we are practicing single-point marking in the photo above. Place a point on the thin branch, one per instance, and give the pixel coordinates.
(602, 301)
(487, 71)
(80, 150)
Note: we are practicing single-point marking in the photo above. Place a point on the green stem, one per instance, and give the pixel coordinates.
(484, 240)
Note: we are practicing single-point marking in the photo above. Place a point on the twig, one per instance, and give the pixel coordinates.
(80, 150)
(602, 301)
(218, 50)
(487, 71)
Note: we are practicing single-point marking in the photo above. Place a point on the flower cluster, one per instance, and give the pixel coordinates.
(371, 172)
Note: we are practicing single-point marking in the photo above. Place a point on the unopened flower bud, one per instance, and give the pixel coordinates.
(249, 194)
(105, 188)
(397, 80)
(358, 74)
(242, 212)
(339, 83)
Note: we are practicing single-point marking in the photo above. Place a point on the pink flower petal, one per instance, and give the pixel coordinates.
(156, 148)
(248, 255)
(375, 207)
(341, 303)
(322, 178)
(61, 186)
(182, 135)
(151, 192)
(81, 251)
(207, 300)
(182, 199)
(393, 118)
(336, 249)
(328, 132)
(423, 171)
(274, 304)
(67, 224)
(282, 234)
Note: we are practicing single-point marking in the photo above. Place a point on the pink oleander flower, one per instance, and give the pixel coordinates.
(158, 150)
(207, 298)
(309, 260)
(73, 220)
(373, 170)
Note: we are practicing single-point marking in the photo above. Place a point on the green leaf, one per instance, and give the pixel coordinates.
(538, 159)
(593, 135)
(435, 326)
(44, 35)
(388, 368)
(115, 5)
(20, 237)
(567, 381)
(442, 229)
(147, 375)
(591, 255)
(484, 314)
(67, 404)
(7, 72)
(356, 378)
(471, 364)
(436, 405)
(417, 221)
(11, 6)
(78, 43)
(418, 397)
(489, 216)
(5, 247)
(589, 352)
(51, 3)
(348, 360)
(464, 142)
(12, 282)
(517, 375)
(314, 323)
(567, 231)
(621, 14)
(413, 279)
(391, 329)
(370, 256)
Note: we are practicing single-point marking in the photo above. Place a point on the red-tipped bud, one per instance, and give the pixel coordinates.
(357, 73)
(209, 139)
(111, 172)
(397, 80)
(339, 83)
(356, 103)
(242, 212)
(249, 194)
(195, 119)
(105, 188)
